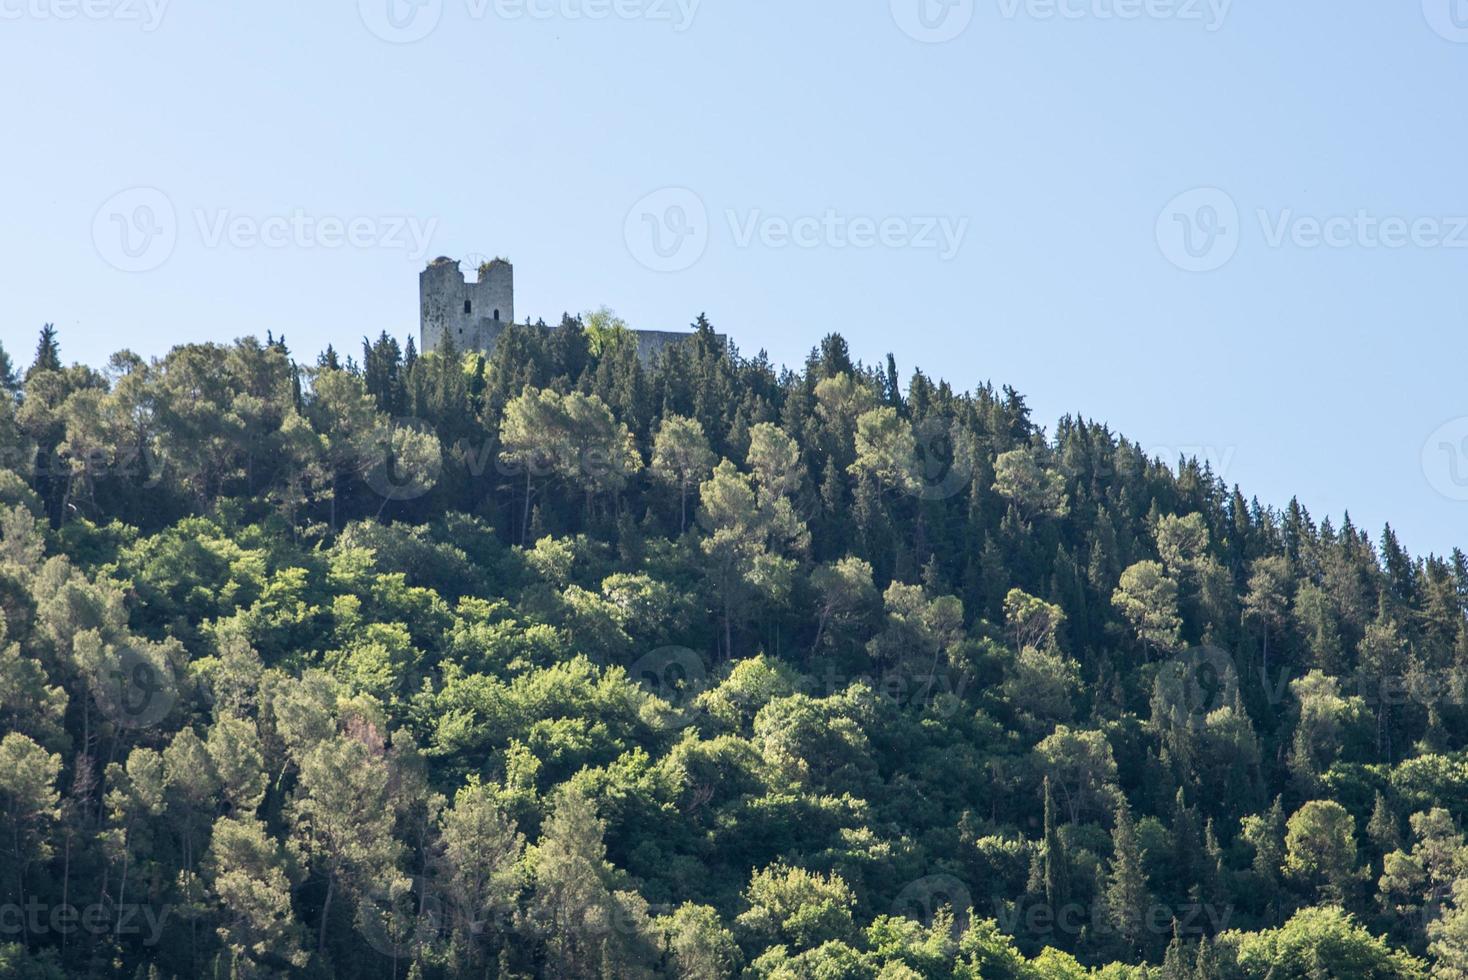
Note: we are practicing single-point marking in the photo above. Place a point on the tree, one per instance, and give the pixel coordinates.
(234, 751)
(1382, 828)
(1449, 937)
(1126, 891)
(681, 458)
(1320, 623)
(1268, 597)
(1326, 722)
(21, 542)
(921, 635)
(1182, 543)
(571, 904)
(701, 947)
(482, 851)
(382, 374)
(886, 452)
(19, 963)
(1417, 883)
(810, 741)
(344, 819)
(345, 414)
(28, 701)
(1042, 686)
(1021, 476)
(1319, 942)
(217, 648)
(9, 380)
(533, 438)
(48, 353)
(749, 544)
(1032, 622)
(601, 453)
(88, 446)
(774, 460)
(840, 401)
(797, 907)
(844, 589)
(1320, 850)
(1148, 600)
(1381, 665)
(251, 876)
(190, 785)
(28, 808)
(134, 803)
(1081, 766)
(403, 461)
(604, 329)
(1055, 861)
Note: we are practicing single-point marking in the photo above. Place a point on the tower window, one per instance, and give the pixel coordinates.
(496, 314)
(468, 307)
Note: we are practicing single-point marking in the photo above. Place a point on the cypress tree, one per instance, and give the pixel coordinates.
(1126, 892)
(1057, 870)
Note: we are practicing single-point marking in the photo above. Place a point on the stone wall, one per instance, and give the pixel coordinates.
(476, 313)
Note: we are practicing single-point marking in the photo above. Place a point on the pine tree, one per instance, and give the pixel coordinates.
(48, 352)
(571, 902)
(382, 371)
(1382, 828)
(1176, 963)
(1126, 892)
(1212, 888)
(1187, 844)
(1205, 966)
(9, 380)
(1401, 571)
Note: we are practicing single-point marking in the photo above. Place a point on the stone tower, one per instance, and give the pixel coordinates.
(472, 313)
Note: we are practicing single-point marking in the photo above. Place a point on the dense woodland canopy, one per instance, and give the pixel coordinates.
(561, 664)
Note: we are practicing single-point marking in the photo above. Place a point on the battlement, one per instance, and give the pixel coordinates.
(474, 314)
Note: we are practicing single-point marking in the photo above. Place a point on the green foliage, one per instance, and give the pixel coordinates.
(559, 663)
(1320, 849)
(1320, 942)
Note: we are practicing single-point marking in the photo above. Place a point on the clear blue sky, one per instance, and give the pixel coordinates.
(1055, 143)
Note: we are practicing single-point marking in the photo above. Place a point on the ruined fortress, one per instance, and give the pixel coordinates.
(474, 314)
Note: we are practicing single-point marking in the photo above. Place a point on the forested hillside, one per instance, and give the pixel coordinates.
(558, 664)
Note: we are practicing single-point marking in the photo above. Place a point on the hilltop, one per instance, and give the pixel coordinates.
(577, 660)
